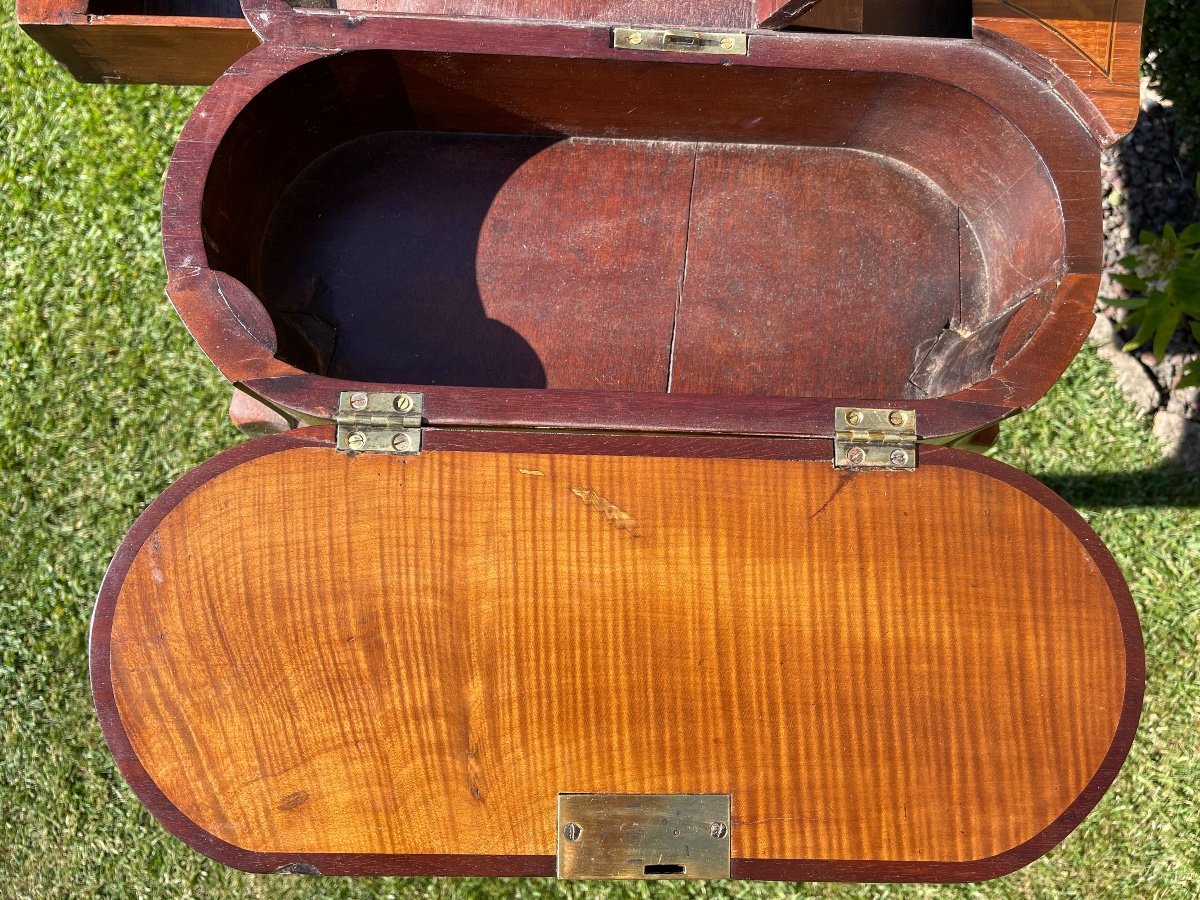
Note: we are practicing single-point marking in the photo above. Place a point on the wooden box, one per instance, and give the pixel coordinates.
(1093, 43)
(620, 543)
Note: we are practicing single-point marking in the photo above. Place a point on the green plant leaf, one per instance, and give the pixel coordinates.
(1164, 330)
(1169, 232)
(1126, 303)
(1147, 325)
(1191, 375)
(1147, 237)
(1130, 281)
(1191, 234)
(1183, 285)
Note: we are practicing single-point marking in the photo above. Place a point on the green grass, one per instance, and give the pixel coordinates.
(105, 400)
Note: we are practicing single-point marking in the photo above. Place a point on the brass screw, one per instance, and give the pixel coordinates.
(896, 417)
(899, 457)
(403, 403)
(726, 43)
(854, 417)
(401, 442)
(718, 830)
(635, 39)
(857, 456)
(572, 831)
(356, 440)
(358, 400)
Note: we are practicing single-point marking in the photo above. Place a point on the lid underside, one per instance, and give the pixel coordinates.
(359, 662)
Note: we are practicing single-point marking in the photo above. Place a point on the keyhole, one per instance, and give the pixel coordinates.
(662, 869)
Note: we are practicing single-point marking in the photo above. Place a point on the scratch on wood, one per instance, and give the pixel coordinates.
(298, 868)
(156, 570)
(616, 516)
(531, 472)
(844, 479)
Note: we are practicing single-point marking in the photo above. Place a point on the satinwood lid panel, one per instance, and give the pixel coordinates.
(394, 665)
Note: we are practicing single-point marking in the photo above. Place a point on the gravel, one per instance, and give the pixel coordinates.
(1149, 180)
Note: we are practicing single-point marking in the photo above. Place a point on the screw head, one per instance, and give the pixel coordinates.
(356, 440)
(635, 39)
(401, 442)
(358, 400)
(854, 417)
(403, 403)
(726, 43)
(856, 456)
(718, 830)
(899, 458)
(896, 417)
(572, 832)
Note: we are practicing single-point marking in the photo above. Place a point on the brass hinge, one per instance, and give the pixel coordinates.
(874, 438)
(379, 422)
(680, 40)
(650, 836)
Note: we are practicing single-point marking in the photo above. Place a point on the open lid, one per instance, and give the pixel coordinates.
(730, 14)
(314, 662)
(1088, 50)
(537, 228)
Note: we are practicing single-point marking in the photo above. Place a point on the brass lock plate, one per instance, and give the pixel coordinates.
(651, 836)
(680, 40)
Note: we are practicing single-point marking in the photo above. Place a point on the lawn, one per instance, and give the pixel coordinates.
(105, 400)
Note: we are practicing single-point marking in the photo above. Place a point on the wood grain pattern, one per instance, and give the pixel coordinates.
(154, 46)
(1094, 43)
(417, 674)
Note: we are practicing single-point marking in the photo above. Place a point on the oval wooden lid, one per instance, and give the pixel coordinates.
(395, 665)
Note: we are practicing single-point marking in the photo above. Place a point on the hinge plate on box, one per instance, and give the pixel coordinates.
(646, 836)
(874, 438)
(680, 40)
(379, 422)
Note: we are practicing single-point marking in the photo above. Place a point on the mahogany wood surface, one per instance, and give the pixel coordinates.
(730, 14)
(394, 665)
(138, 44)
(373, 276)
(834, 15)
(824, 318)
(453, 259)
(549, 285)
(1096, 44)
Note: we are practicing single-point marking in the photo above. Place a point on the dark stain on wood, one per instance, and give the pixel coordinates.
(293, 800)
